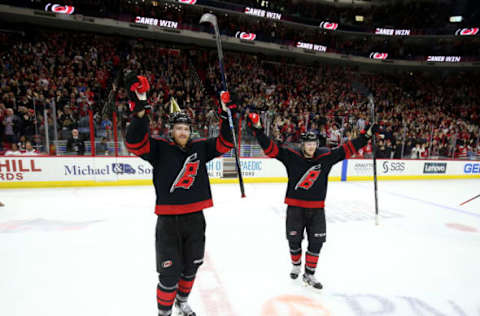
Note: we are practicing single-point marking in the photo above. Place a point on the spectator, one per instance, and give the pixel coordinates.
(102, 147)
(13, 151)
(75, 144)
(29, 150)
(12, 125)
(22, 143)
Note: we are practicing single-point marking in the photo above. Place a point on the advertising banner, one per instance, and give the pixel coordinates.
(97, 171)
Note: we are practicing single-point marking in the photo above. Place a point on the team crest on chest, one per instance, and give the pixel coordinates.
(309, 178)
(186, 176)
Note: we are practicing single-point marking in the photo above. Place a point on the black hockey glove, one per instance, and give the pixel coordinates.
(370, 130)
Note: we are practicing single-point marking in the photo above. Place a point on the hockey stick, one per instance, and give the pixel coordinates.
(109, 106)
(212, 19)
(470, 200)
(374, 156)
(364, 91)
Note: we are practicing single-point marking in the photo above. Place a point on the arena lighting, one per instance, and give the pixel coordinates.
(446, 59)
(246, 36)
(58, 8)
(392, 32)
(310, 46)
(456, 19)
(329, 25)
(381, 56)
(359, 18)
(156, 22)
(262, 13)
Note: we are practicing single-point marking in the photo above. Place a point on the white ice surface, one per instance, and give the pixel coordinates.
(90, 251)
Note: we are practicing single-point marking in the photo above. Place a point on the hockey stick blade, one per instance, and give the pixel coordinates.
(210, 18)
(470, 200)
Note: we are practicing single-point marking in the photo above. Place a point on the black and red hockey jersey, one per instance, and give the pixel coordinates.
(308, 177)
(179, 175)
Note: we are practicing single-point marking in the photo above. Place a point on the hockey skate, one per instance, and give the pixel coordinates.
(164, 313)
(310, 279)
(184, 309)
(295, 272)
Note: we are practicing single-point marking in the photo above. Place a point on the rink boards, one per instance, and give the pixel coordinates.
(36, 171)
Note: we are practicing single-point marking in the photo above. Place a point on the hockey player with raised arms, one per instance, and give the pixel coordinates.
(182, 192)
(307, 172)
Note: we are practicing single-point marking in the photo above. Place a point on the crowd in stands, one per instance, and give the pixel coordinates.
(422, 114)
(289, 34)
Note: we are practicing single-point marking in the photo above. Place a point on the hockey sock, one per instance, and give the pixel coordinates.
(185, 287)
(311, 257)
(295, 252)
(165, 295)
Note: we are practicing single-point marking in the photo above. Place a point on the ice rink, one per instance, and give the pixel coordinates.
(90, 252)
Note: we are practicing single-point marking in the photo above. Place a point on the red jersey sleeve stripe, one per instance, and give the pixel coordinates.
(199, 140)
(226, 142)
(139, 144)
(269, 148)
(141, 151)
(347, 151)
(352, 148)
(220, 147)
(274, 151)
(294, 151)
(321, 155)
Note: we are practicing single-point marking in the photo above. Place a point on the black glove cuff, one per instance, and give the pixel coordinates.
(139, 105)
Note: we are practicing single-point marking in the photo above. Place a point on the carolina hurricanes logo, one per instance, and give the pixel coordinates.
(57, 8)
(329, 25)
(467, 32)
(381, 56)
(186, 176)
(246, 36)
(167, 264)
(188, 1)
(309, 178)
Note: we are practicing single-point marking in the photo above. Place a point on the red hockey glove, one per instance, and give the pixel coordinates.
(253, 121)
(137, 88)
(228, 101)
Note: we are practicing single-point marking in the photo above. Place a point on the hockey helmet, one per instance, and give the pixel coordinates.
(308, 137)
(180, 118)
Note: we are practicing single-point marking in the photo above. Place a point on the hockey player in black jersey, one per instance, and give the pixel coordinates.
(182, 192)
(307, 172)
